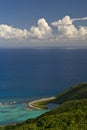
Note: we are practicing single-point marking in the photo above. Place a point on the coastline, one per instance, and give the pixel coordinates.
(35, 104)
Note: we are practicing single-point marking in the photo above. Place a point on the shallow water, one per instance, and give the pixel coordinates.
(13, 113)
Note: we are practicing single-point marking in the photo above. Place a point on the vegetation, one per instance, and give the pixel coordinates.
(78, 91)
(71, 115)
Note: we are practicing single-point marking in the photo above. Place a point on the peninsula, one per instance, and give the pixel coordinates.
(40, 103)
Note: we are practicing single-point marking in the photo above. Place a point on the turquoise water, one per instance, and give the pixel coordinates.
(13, 113)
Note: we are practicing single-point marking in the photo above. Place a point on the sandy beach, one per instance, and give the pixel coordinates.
(31, 104)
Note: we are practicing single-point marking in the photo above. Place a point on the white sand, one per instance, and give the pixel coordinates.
(39, 100)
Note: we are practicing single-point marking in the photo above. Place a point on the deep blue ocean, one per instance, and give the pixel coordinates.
(28, 74)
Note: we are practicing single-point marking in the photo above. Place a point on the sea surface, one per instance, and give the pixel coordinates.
(33, 73)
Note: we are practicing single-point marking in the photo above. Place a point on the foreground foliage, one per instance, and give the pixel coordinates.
(71, 115)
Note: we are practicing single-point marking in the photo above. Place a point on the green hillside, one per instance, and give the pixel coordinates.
(75, 92)
(70, 115)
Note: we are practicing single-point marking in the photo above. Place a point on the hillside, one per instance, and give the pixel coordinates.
(70, 115)
(78, 91)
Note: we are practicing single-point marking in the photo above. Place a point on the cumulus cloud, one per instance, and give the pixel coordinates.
(67, 29)
(42, 30)
(9, 32)
(82, 32)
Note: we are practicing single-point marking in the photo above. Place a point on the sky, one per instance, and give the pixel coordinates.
(29, 23)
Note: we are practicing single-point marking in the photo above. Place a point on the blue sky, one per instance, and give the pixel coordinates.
(40, 22)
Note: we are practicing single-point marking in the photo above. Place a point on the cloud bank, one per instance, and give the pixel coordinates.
(9, 32)
(66, 29)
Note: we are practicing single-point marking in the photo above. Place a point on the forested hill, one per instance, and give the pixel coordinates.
(78, 91)
(71, 115)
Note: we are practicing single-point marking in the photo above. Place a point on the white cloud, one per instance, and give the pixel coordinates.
(66, 28)
(9, 32)
(77, 19)
(82, 33)
(64, 21)
(42, 30)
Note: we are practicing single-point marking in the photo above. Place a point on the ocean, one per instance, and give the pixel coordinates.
(32, 73)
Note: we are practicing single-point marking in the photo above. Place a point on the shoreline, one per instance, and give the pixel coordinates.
(33, 104)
